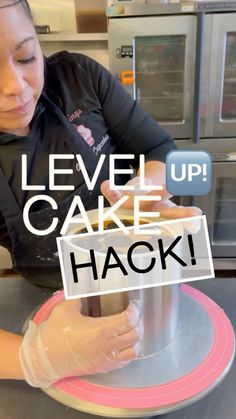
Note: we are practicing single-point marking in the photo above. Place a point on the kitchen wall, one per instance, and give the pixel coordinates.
(98, 50)
(60, 15)
(5, 260)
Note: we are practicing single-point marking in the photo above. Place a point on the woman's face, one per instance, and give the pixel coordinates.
(21, 70)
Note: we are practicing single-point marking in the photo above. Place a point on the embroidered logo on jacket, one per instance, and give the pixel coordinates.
(75, 115)
(97, 149)
(85, 133)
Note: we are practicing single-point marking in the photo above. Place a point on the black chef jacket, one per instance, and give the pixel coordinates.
(99, 109)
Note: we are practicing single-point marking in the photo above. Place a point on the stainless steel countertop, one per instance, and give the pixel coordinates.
(19, 401)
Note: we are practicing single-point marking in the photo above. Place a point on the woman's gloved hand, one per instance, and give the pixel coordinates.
(166, 208)
(70, 344)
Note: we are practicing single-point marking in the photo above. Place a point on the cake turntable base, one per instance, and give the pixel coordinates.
(192, 365)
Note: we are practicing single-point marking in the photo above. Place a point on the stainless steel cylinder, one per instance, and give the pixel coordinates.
(159, 311)
(159, 307)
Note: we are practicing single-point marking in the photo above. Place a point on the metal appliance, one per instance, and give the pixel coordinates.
(220, 207)
(178, 60)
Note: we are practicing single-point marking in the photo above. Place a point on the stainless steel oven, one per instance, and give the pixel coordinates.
(183, 63)
(221, 107)
(178, 60)
(220, 208)
(163, 61)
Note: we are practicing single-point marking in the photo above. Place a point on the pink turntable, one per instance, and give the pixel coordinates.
(192, 361)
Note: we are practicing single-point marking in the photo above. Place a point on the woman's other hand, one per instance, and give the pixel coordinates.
(166, 208)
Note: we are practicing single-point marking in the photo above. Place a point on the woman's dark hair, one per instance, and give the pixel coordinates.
(24, 3)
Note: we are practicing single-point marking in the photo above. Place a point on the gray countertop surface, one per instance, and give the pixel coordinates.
(18, 400)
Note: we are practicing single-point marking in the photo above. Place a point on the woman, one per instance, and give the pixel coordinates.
(67, 104)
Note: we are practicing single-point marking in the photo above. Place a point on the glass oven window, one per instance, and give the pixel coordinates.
(159, 76)
(224, 230)
(229, 91)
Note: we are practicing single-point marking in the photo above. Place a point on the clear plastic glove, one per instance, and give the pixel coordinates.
(166, 208)
(113, 196)
(70, 344)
